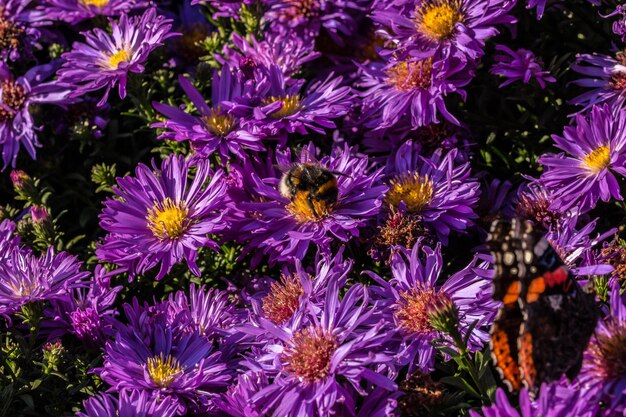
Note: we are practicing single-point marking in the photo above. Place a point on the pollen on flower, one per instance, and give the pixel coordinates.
(10, 34)
(310, 356)
(163, 369)
(117, 58)
(218, 123)
(407, 76)
(414, 309)
(608, 352)
(13, 98)
(414, 190)
(283, 299)
(599, 158)
(291, 105)
(436, 18)
(307, 210)
(168, 219)
(95, 3)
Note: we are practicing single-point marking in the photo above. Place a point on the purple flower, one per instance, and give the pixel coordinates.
(521, 65)
(619, 27)
(540, 5)
(437, 189)
(17, 127)
(555, 400)
(8, 239)
(604, 365)
(158, 218)
(275, 225)
(453, 27)
(278, 107)
(596, 150)
(86, 313)
(215, 129)
(237, 401)
(412, 295)
(18, 32)
(164, 362)
(75, 11)
(25, 278)
(323, 359)
(414, 88)
(307, 18)
(130, 404)
(107, 59)
(606, 76)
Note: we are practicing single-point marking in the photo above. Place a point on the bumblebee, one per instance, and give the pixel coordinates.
(312, 185)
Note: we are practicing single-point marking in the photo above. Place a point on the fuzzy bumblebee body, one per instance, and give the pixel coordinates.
(313, 184)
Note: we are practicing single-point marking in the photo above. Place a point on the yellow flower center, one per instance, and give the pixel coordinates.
(406, 76)
(119, 57)
(168, 219)
(291, 105)
(305, 209)
(219, 124)
(96, 3)
(436, 18)
(599, 159)
(415, 191)
(163, 369)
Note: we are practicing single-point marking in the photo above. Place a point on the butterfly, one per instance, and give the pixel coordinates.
(546, 318)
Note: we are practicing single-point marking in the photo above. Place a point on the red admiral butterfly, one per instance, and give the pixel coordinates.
(546, 318)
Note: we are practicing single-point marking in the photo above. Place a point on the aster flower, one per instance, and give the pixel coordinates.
(273, 224)
(412, 296)
(414, 88)
(320, 361)
(437, 189)
(164, 362)
(555, 400)
(18, 29)
(605, 76)
(215, 129)
(619, 27)
(17, 95)
(159, 218)
(307, 18)
(278, 107)
(75, 11)
(453, 27)
(237, 401)
(130, 404)
(521, 65)
(107, 59)
(25, 278)
(604, 365)
(85, 312)
(540, 5)
(8, 238)
(596, 151)
(251, 56)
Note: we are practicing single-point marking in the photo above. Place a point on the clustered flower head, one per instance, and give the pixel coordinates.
(283, 211)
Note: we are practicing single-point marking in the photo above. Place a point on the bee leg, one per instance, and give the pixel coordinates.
(312, 206)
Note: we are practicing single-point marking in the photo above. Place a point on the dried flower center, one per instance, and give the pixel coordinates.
(310, 356)
(95, 3)
(163, 369)
(436, 18)
(13, 98)
(218, 123)
(10, 34)
(295, 9)
(117, 58)
(536, 206)
(414, 309)
(615, 255)
(168, 219)
(283, 299)
(414, 190)
(599, 159)
(291, 105)
(407, 76)
(609, 352)
(307, 209)
(421, 395)
(401, 229)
